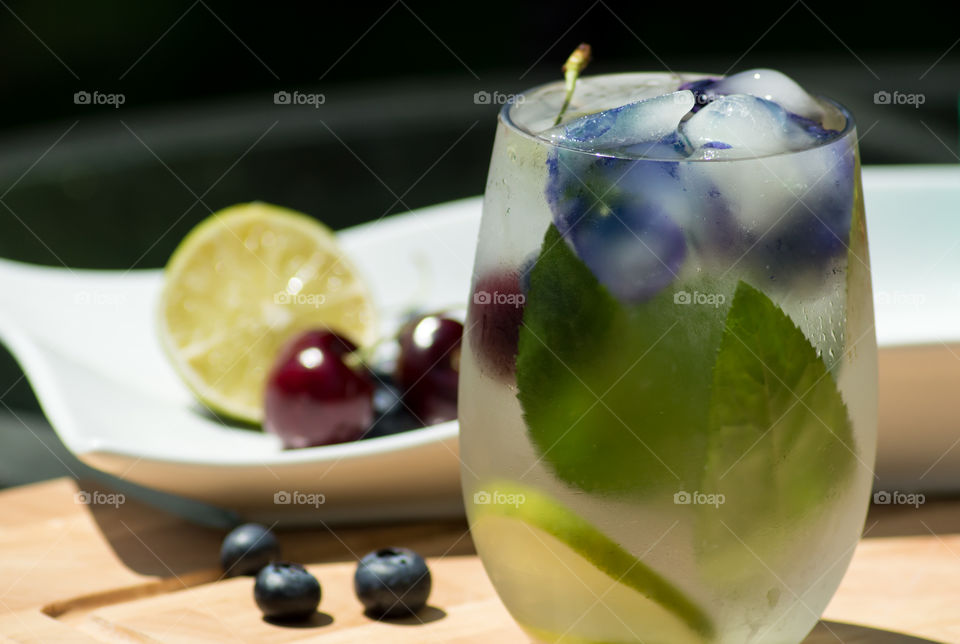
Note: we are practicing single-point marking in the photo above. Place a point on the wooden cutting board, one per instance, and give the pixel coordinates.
(72, 572)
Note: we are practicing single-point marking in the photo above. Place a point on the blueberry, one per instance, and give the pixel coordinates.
(387, 395)
(248, 548)
(391, 416)
(392, 582)
(286, 591)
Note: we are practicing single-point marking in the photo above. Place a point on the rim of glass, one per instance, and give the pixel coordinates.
(506, 119)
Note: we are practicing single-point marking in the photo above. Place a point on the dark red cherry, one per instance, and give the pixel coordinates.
(495, 314)
(428, 367)
(313, 397)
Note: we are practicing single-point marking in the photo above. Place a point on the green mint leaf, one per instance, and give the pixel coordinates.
(780, 440)
(615, 396)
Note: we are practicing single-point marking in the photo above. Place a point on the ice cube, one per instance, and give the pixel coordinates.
(788, 213)
(773, 86)
(740, 126)
(648, 121)
(538, 110)
(672, 147)
(634, 250)
(703, 91)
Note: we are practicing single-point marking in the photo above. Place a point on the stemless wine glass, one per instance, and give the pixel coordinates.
(668, 382)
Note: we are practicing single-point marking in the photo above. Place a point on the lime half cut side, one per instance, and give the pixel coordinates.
(240, 285)
(565, 581)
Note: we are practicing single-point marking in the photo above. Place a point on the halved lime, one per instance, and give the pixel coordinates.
(242, 283)
(565, 581)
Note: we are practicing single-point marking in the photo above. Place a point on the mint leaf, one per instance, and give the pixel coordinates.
(649, 363)
(780, 439)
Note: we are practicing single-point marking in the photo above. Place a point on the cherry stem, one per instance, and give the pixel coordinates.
(575, 64)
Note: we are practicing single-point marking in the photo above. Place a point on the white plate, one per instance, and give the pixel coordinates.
(913, 223)
(86, 340)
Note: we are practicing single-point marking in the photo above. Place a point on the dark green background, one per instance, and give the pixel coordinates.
(399, 127)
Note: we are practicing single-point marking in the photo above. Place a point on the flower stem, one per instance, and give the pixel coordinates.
(575, 64)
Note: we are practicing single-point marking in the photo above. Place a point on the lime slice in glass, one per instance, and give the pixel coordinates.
(563, 580)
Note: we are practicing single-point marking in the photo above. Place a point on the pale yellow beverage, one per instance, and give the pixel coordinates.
(668, 379)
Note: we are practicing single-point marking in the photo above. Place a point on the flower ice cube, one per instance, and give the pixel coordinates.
(631, 198)
(784, 218)
(774, 86)
(622, 217)
(634, 250)
(646, 121)
(741, 125)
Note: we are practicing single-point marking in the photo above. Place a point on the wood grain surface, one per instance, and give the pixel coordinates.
(77, 572)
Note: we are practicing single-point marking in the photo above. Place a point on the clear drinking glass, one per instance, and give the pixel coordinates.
(668, 384)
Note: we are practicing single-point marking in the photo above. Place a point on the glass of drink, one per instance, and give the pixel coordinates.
(668, 382)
